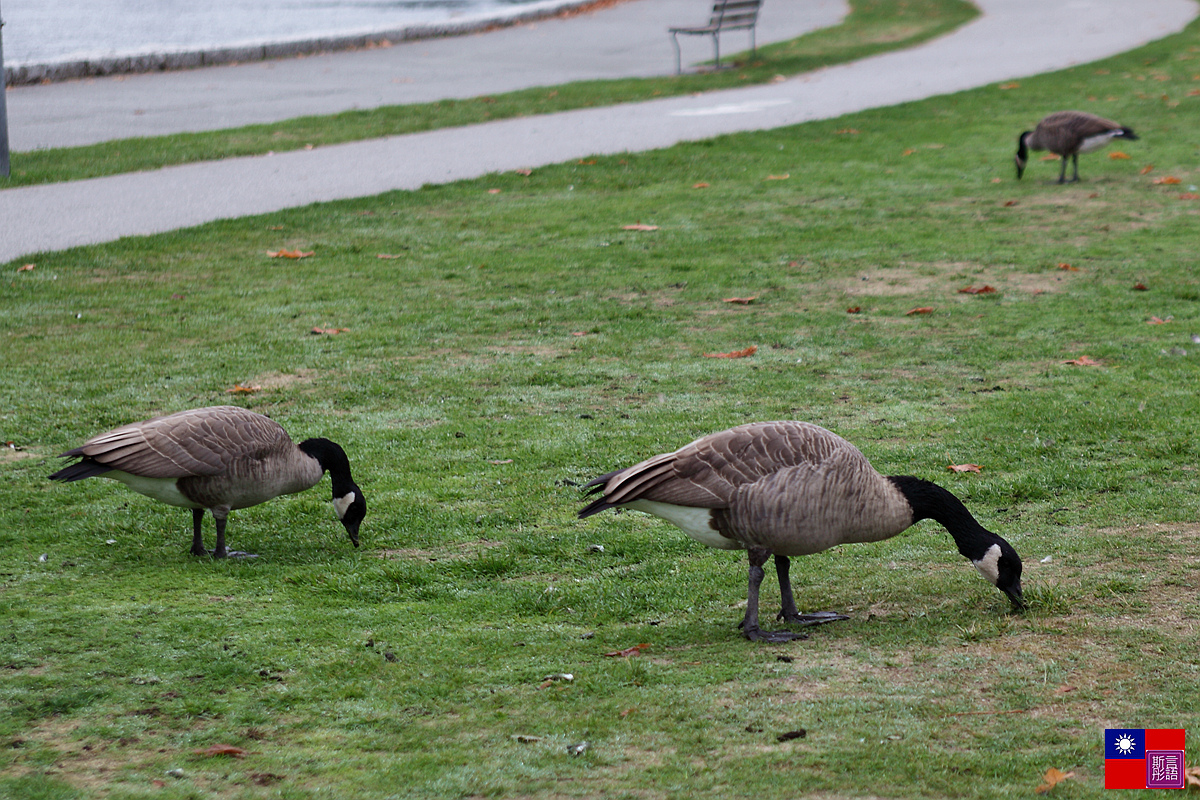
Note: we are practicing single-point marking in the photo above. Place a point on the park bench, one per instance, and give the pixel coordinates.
(727, 15)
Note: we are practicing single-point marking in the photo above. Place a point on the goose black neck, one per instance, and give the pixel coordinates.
(333, 460)
(1022, 148)
(930, 501)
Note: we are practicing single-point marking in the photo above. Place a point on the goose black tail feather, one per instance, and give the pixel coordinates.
(87, 468)
(600, 504)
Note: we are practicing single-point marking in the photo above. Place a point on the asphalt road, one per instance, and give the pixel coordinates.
(1013, 38)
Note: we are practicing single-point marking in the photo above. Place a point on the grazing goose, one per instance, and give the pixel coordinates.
(217, 458)
(1069, 133)
(791, 489)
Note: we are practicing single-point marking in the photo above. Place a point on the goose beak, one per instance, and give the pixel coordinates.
(1014, 595)
(352, 530)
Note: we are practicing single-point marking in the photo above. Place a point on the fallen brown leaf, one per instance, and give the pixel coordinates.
(1146, 170)
(1052, 778)
(330, 331)
(745, 301)
(1064, 689)
(501, 461)
(1157, 321)
(919, 310)
(26, 268)
(1009, 85)
(494, 191)
(1083, 361)
(1117, 155)
(1193, 776)
(1050, 157)
(388, 255)
(628, 651)
(626, 712)
(290, 254)
(908, 152)
(997, 180)
(782, 177)
(223, 750)
(1140, 287)
(589, 161)
(849, 131)
(985, 289)
(1167, 180)
(1189, 196)
(853, 309)
(749, 351)
(239, 389)
(525, 172)
(1068, 268)
(640, 227)
(964, 468)
(1009, 203)
(701, 185)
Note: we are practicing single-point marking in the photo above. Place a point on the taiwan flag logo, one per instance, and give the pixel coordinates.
(1143, 758)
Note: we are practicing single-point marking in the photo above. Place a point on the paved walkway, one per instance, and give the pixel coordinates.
(1014, 38)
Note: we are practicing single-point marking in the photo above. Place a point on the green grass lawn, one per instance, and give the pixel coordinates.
(522, 339)
(871, 27)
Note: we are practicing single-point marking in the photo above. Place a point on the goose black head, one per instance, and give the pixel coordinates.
(1022, 156)
(351, 508)
(1001, 566)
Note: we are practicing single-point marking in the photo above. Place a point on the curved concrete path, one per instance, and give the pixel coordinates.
(1014, 38)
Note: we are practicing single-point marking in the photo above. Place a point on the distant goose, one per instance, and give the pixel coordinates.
(1069, 133)
(217, 459)
(792, 489)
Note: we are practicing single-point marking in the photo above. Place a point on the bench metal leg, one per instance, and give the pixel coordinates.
(678, 61)
(717, 49)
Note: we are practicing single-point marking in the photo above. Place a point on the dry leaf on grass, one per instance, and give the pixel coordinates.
(1050, 157)
(494, 191)
(1009, 85)
(1189, 196)
(628, 651)
(1052, 778)
(1167, 180)
(388, 255)
(589, 161)
(26, 268)
(745, 301)
(1158, 321)
(782, 177)
(1009, 203)
(1140, 287)
(290, 253)
(964, 468)
(640, 227)
(1146, 170)
(239, 389)
(853, 309)
(1117, 155)
(848, 131)
(749, 351)
(525, 172)
(1083, 361)
(919, 310)
(330, 331)
(980, 290)
(1193, 777)
(908, 152)
(1067, 267)
(501, 461)
(701, 185)
(223, 750)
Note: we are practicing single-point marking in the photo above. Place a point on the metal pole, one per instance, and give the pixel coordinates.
(3, 109)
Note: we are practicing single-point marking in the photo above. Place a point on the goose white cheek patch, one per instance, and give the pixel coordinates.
(342, 504)
(989, 565)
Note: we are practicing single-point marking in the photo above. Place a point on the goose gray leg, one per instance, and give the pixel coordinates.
(1075, 163)
(758, 557)
(197, 536)
(1062, 171)
(788, 612)
(221, 515)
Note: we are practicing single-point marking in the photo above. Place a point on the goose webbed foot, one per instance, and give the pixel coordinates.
(757, 634)
(236, 554)
(816, 618)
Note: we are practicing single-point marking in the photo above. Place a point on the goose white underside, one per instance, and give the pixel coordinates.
(695, 522)
(163, 490)
(1099, 140)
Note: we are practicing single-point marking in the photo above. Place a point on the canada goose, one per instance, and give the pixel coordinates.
(1069, 133)
(217, 458)
(791, 489)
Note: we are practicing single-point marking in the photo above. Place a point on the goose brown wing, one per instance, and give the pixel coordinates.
(197, 442)
(708, 472)
(1079, 123)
